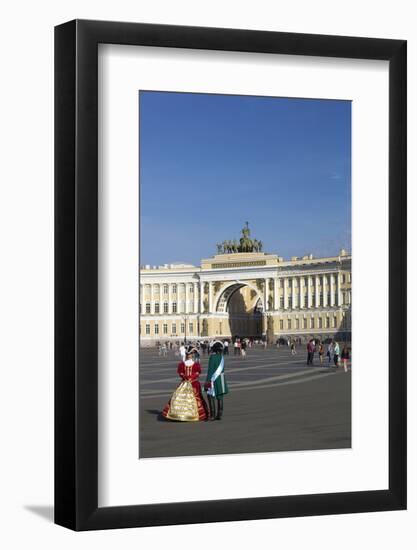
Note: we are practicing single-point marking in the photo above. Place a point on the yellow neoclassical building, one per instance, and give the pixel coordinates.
(243, 291)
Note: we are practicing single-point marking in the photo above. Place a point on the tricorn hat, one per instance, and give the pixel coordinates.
(217, 346)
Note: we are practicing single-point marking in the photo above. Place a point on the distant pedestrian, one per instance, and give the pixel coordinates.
(330, 352)
(336, 353)
(321, 351)
(293, 350)
(243, 349)
(310, 352)
(182, 351)
(345, 357)
(236, 347)
(226, 347)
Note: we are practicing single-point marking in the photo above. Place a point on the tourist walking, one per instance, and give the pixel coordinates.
(310, 352)
(226, 347)
(336, 353)
(182, 351)
(243, 349)
(330, 353)
(345, 357)
(321, 351)
(293, 350)
(236, 347)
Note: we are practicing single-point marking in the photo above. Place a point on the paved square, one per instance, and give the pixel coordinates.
(276, 403)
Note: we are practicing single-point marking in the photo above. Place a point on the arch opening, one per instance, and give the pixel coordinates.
(243, 306)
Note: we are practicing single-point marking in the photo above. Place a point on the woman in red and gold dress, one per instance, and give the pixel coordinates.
(187, 403)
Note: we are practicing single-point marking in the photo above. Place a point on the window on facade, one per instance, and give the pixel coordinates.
(297, 324)
(182, 328)
(335, 298)
(304, 323)
(321, 299)
(290, 302)
(156, 328)
(165, 307)
(147, 329)
(329, 296)
(343, 278)
(192, 289)
(281, 302)
(334, 321)
(174, 328)
(281, 325)
(165, 289)
(312, 322)
(174, 289)
(190, 328)
(156, 307)
(174, 307)
(320, 322)
(165, 328)
(327, 322)
(148, 307)
(289, 324)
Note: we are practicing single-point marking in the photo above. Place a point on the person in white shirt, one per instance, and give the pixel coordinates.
(182, 351)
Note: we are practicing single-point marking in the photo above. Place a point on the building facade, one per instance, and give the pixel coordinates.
(247, 293)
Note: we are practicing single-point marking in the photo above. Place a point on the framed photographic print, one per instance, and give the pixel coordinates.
(230, 275)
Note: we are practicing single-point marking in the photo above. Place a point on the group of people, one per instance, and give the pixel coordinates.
(332, 353)
(187, 403)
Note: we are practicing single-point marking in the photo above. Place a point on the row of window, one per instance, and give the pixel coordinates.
(308, 323)
(174, 288)
(345, 278)
(304, 300)
(165, 307)
(287, 324)
(173, 328)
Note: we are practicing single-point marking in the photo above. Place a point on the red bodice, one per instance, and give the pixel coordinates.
(190, 373)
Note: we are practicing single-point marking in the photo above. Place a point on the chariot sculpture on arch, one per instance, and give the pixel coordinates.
(245, 243)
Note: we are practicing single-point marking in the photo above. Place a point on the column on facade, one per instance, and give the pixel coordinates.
(293, 292)
(276, 304)
(201, 296)
(285, 293)
(195, 288)
(309, 304)
(316, 282)
(169, 298)
(152, 299)
(300, 292)
(331, 289)
(339, 298)
(210, 296)
(186, 298)
(324, 290)
(266, 304)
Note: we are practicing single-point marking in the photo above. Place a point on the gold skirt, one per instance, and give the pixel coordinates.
(183, 404)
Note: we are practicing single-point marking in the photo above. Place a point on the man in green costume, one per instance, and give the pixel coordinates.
(216, 385)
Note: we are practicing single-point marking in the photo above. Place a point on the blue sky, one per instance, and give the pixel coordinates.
(208, 163)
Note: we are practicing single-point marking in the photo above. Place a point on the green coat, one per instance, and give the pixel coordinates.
(220, 384)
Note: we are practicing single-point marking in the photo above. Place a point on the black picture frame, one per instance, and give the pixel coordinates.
(76, 272)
